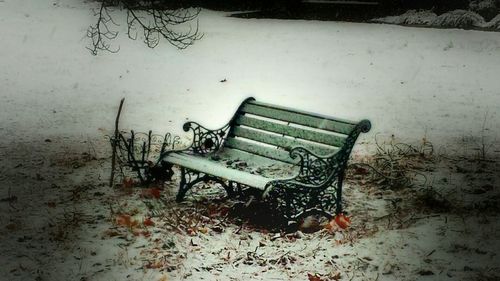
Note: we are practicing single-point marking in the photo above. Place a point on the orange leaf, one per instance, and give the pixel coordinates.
(148, 222)
(154, 264)
(156, 192)
(134, 223)
(331, 226)
(191, 231)
(126, 220)
(123, 220)
(151, 193)
(342, 221)
(314, 277)
(127, 183)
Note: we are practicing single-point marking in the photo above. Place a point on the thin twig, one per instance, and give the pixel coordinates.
(113, 144)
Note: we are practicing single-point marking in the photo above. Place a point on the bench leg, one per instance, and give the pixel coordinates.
(232, 188)
(297, 202)
(338, 197)
(190, 177)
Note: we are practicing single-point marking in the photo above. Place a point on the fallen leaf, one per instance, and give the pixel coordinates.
(151, 193)
(314, 277)
(154, 264)
(148, 222)
(138, 232)
(203, 230)
(127, 183)
(191, 231)
(156, 192)
(331, 226)
(126, 220)
(342, 221)
(123, 220)
(51, 204)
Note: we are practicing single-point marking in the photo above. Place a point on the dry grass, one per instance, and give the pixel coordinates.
(395, 165)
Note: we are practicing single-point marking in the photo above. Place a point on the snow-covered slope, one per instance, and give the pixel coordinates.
(410, 82)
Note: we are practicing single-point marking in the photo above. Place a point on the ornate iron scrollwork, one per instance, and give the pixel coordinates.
(314, 169)
(317, 188)
(205, 140)
(189, 178)
(294, 201)
(141, 152)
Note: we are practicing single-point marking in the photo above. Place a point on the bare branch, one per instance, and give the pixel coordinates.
(154, 17)
(100, 33)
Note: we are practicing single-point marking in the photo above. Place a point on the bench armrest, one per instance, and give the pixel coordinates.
(315, 170)
(318, 185)
(205, 140)
(321, 170)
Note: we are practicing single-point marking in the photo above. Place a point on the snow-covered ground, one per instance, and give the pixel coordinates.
(409, 82)
(57, 102)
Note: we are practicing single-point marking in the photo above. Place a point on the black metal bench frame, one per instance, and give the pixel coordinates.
(316, 189)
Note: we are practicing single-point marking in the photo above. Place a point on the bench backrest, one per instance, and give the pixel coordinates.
(272, 131)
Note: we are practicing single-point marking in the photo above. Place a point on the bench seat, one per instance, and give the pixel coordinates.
(235, 166)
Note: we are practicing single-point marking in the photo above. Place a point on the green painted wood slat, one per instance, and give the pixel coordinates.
(254, 148)
(303, 112)
(299, 117)
(290, 131)
(280, 141)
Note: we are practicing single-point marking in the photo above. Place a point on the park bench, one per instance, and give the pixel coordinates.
(294, 159)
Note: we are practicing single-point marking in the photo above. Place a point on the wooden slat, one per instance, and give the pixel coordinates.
(217, 169)
(299, 117)
(254, 148)
(302, 112)
(280, 141)
(290, 131)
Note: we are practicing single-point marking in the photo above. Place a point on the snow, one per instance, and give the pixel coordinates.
(58, 103)
(411, 17)
(495, 22)
(407, 81)
(452, 19)
(460, 19)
